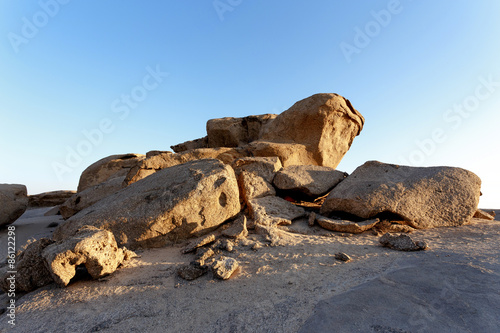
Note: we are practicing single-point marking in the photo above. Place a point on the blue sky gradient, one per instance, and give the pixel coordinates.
(424, 74)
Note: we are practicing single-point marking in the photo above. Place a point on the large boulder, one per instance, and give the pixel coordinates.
(90, 246)
(175, 203)
(161, 160)
(326, 124)
(310, 181)
(13, 202)
(107, 168)
(274, 211)
(49, 199)
(288, 153)
(236, 132)
(90, 196)
(422, 197)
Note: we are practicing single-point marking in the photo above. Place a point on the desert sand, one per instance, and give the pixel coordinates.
(294, 286)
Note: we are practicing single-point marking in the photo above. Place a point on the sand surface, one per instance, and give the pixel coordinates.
(296, 286)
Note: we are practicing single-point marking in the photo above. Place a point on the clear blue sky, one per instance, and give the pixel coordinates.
(425, 74)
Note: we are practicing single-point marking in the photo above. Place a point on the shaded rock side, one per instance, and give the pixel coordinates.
(265, 167)
(90, 196)
(236, 132)
(423, 197)
(173, 204)
(326, 124)
(192, 144)
(107, 168)
(13, 202)
(252, 186)
(310, 181)
(32, 272)
(92, 247)
(49, 199)
(346, 226)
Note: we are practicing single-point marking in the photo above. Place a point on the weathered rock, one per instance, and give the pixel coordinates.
(30, 267)
(272, 211)
(424, 197)
(199, 242)
(13, 202)
(53, 212)
(191, 272)
(238, 228)
(481, 214)
(49, 199)
(224, 267)
(107, 168)
(288, 153)
(346, 226)
(176, 203)
(402, 243)
(193, 144)
(163, 160)
(307, 180)
(325, 123)
(252, 186)
(265, 167)
(236, 132)
(90, 196)
(204, 254)
(92, 247)
(342, 257)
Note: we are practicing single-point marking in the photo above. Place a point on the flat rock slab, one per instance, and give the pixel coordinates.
(346, 226)
(429, 294)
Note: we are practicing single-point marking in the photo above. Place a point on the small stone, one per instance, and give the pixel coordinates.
(53, 225)
(199, 243)
(191, 272)
(402, 243)
(342, 256)
(224, 267)
(346, 226)
(256, 246)
(481, 214)
(312, 219)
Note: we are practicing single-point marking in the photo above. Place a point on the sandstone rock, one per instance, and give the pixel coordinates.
(13, 202)
(191, 272)
(90, 196)
(193, 144)
(272, 211)
(49, 199)
(326, 124)
(481, 214)
(288, 153)
(346, 226)
(252, 186)
(311, 181)
(236, 132)
(90, 246)
(238, 228)
(164, 160)
(402, 243)
(224, 268)
(107, 168)
(422, 197)
(30, 267)
(342, 257)
(199, 242)
(176, 203)
(265, 167)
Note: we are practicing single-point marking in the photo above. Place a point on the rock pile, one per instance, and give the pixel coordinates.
(257, 173)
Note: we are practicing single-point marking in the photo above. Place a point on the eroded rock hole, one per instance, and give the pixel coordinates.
(223, 199)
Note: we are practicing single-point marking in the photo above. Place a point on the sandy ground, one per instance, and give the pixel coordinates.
(297, 286)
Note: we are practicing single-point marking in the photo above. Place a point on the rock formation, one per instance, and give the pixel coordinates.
(49, 199)
(13, 202)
